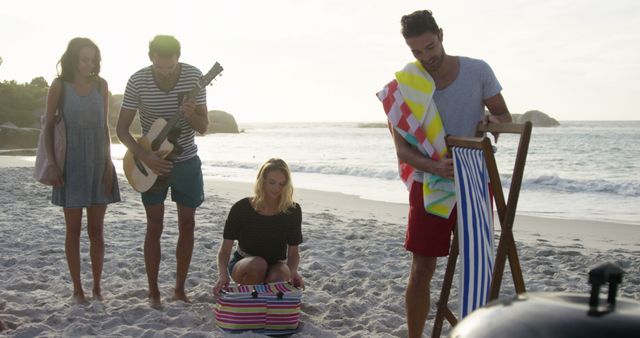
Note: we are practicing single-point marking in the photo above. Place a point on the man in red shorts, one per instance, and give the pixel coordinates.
(464, 87)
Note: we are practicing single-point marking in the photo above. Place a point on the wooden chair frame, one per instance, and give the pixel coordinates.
(506, 214)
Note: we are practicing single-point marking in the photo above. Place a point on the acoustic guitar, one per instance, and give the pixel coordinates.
(159, 137)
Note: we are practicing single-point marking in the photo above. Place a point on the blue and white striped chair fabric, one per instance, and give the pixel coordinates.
(475, 228)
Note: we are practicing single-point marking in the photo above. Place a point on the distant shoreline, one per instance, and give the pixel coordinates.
(18, 152)
(336, 199)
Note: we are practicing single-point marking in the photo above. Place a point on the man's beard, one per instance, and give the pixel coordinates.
(434, 63)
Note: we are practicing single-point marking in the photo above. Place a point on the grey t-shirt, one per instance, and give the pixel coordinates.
(461, 104)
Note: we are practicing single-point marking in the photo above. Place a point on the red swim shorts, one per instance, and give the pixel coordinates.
(427, 234)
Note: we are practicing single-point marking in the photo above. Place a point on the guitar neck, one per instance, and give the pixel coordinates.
(204, 80)
(155, 144)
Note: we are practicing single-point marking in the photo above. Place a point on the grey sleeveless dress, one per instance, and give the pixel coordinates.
(86, 152)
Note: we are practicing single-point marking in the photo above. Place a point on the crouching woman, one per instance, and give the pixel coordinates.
(268, 229)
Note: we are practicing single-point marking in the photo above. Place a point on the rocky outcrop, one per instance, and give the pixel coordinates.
(222, 122)
(12, 137)
(373, 125)
(537, 118)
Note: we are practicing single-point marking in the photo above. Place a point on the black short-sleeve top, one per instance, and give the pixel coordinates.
(264, 236)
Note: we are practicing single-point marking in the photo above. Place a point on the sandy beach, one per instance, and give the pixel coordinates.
(353, 262)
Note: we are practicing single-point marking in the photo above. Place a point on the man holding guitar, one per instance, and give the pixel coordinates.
(161, 92)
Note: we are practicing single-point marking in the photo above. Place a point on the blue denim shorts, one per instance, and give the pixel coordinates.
(235, 258)
(187, 187)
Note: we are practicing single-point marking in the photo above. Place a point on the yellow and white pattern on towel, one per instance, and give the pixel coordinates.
(417, 88)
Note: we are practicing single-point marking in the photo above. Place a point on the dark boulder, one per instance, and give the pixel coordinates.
(222, 122)
(537, 118)
(12, 137)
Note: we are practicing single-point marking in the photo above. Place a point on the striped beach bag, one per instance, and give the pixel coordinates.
(271, 309)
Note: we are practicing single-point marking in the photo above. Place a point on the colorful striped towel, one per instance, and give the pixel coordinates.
(475, 228)
(411, 111)
(271, 309)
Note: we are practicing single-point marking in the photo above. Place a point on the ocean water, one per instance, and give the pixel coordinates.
(579, 170)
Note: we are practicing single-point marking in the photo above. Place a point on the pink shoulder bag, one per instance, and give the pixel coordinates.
(41, 172)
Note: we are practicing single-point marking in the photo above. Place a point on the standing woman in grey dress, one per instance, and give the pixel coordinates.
(88, 179)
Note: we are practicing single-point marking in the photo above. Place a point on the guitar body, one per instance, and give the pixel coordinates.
(143, 180)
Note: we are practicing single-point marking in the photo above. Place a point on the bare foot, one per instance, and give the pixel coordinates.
(2, 327)
(78, 298)
(180, 295)
(155, 303)
(97, 295)
(154, 299)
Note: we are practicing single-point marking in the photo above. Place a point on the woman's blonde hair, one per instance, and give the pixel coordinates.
(286, 196)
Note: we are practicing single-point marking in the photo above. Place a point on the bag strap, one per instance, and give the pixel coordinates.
(61, 97)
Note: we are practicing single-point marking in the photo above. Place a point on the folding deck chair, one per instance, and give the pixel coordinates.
(474, 228)
(481, 275)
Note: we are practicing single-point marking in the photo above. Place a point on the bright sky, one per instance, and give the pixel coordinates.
(323, 60)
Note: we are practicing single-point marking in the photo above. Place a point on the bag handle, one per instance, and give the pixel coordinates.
(60, 97)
